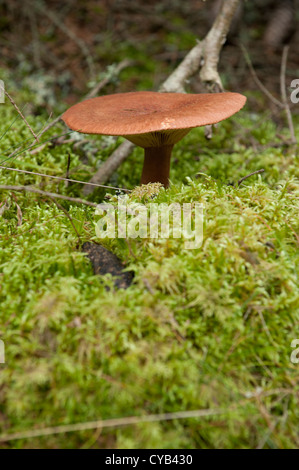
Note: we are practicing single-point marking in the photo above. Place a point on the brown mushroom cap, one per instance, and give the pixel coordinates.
(149, 118)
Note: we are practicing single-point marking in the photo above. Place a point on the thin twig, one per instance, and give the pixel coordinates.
(257, 80)
(68, 169)
(19, 150)
(123, 64)
(250, 174)
(19, 112)
(117, 422)
(33, 144)
(284, 93)
(112, 423)
(63, 179)
(177, 79)
(47, 194)
(51, 124)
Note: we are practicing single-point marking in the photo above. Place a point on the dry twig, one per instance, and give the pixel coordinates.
(111, 423)
(250, 174)
(284, 104)
(63, 179)
(19, 112)
(257, 80)
(47, 194)
(118, 422)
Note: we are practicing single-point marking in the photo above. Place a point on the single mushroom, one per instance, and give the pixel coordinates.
(152, 120)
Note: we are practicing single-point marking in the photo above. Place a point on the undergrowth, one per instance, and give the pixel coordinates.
(197, 329)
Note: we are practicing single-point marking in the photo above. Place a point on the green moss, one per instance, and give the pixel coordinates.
(197, 329)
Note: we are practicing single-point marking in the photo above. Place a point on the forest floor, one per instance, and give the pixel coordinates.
(204, 329)
(208, 328)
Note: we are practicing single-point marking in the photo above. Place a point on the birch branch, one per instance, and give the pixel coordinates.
(213, 44)
(188, 67)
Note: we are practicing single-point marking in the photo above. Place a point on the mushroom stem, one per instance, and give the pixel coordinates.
(156, 165)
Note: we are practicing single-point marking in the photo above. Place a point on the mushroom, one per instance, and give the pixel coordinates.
(152, 120)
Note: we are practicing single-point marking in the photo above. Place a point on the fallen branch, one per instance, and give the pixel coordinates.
(188, 67)
(213, 44)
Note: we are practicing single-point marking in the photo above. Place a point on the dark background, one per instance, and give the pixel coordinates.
(67, 46)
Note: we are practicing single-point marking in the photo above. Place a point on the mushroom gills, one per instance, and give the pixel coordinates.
(158, 138)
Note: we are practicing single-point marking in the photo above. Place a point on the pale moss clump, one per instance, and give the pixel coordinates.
(146, 191)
